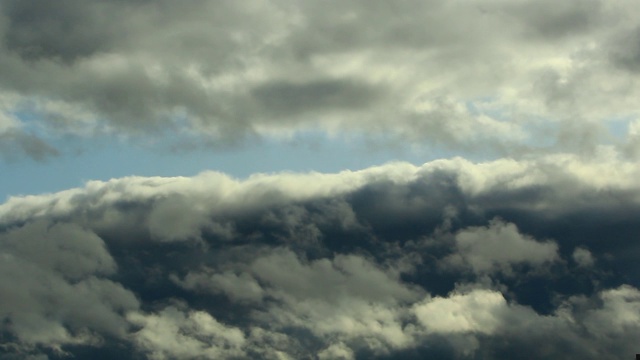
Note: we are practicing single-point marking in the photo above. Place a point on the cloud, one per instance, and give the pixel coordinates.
(54, 277)
(199, 335)
(583, 257)
(242, 287)
(473, 312)
(16, 140)
(15, 144)
(452, 259)
(284, 98)
(490, 76)
(498, 247)
(535, 253)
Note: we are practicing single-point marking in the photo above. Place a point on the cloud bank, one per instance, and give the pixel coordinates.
(487, 76)
(533, 255)
(451, 260)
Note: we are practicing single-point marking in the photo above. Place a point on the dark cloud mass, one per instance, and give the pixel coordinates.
(450, 260)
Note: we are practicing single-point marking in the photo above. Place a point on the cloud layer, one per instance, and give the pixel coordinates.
(487, 76)
(450, 259)
(530, 256)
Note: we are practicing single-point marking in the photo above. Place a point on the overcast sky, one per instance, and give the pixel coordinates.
(319, 179)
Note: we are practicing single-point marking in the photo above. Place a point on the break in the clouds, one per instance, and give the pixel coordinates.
(452, 260)
(488, 76)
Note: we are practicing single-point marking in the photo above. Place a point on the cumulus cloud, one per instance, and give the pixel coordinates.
(498, 247)
(489, 76)
(173, 334)
(473, 312)
(450, 259)
(582, 257)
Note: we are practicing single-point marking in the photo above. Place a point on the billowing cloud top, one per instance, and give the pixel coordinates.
(451, 260)
(495, 76)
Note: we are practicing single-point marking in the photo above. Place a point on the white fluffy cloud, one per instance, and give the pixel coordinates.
(211, 193)
(498, 247)
(173, 333)
(475, 312)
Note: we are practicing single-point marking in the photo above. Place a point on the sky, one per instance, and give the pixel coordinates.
(313, 179)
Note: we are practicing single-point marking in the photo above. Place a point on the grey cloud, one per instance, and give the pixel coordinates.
(346, 297)
(198, 335)
(242, 287)
(335, 27)
(284, 98)
(66, 30)
(347, 265)
(351, 274)
(624, 50)
(65, 249)
(449, 124)
(497, 247)
(225, 73)
(552, 20)
(15, 144)
(342, 297)
(561, 331)
(55, 289)
(583, 257)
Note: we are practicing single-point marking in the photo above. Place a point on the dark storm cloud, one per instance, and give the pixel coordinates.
(222, 72)
(449, 259)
